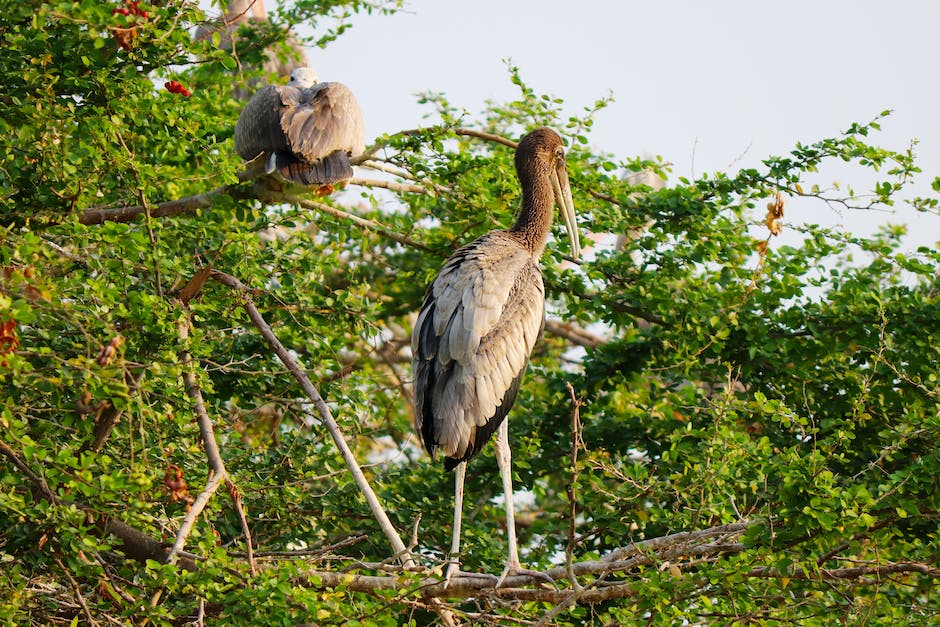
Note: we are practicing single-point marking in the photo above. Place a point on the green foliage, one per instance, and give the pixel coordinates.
(794, 387)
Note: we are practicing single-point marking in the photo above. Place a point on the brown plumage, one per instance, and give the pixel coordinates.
(306, 130)
(480, 320)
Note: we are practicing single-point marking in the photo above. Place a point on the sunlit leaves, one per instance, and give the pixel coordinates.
(791, 385)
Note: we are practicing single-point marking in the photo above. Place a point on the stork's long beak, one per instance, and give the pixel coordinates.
(562, 189)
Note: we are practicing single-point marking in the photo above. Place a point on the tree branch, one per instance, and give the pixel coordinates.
(35, 479)
(391, 185)
(326, 416)
(878, 570)
(371, 225)
(573, 333)
(187, 204)
(217, 472)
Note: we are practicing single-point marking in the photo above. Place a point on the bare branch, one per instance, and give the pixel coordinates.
(35, 479)
(77, 590)
(878, 570)
(490, 137)
(371, 225)
(392, 185)
(401, 552)
(217, 472)
(187, 204)
(467, 132)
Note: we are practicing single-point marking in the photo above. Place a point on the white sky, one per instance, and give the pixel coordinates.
(710, 86)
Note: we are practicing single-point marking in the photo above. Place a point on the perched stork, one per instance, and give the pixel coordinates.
(306, 130)
(480, 319)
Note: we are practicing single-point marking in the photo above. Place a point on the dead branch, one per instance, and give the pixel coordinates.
(371, 225)
(326, 416)
(217, 472)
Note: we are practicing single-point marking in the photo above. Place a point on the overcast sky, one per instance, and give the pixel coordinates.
(710, 86)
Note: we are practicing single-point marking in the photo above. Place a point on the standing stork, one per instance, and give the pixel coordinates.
(480, 319)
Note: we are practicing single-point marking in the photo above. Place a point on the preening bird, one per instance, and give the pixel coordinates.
(480, 319)
(306, 130)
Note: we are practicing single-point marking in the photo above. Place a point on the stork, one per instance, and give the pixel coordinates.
(481, 317)
(306, 130)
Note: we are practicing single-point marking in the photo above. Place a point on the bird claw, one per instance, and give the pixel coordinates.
(519, 571)
(453, 566)
(453, 569)
(324, 190)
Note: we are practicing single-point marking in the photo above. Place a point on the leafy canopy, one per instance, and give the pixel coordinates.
(783, 399)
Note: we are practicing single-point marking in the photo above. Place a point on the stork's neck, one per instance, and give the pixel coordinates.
(538, 207)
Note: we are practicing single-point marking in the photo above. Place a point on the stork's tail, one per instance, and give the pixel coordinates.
(331, 169)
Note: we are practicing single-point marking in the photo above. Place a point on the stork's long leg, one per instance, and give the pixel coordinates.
(453, 560)
(504, 460)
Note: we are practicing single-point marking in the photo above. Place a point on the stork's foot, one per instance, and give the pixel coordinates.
(453, 566)
(515, 569)
(453, 570)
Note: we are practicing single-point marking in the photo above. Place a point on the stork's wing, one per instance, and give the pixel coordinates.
(323, 119)
(258, 128)
(471, 343)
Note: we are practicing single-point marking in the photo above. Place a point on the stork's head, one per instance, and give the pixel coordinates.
(303, 77)
(544, 148)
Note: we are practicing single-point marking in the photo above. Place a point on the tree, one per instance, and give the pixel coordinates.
(715, 427)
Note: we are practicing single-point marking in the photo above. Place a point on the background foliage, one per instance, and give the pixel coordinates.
(725, 378)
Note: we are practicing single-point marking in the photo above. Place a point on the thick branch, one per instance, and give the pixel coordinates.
(673, 548)
(187, 204)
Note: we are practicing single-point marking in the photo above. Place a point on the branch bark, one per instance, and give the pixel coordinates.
(326, 416)
(217, 472)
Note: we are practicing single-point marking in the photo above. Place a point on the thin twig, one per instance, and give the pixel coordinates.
(577, 590)
(36, 480)
(372, 225)
(573, 484)
(401, 552)
(77, 590)
(236, 497)
(325, 550)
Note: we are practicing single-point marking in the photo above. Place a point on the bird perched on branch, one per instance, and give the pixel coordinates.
(480, 319)
(306, 130)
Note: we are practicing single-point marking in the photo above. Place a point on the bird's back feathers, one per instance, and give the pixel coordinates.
(312, 131)
(480, 320)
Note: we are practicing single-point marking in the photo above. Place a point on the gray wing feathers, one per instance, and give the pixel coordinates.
(305, 125)
(326, 118)
(258, 128)
(472, 340)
